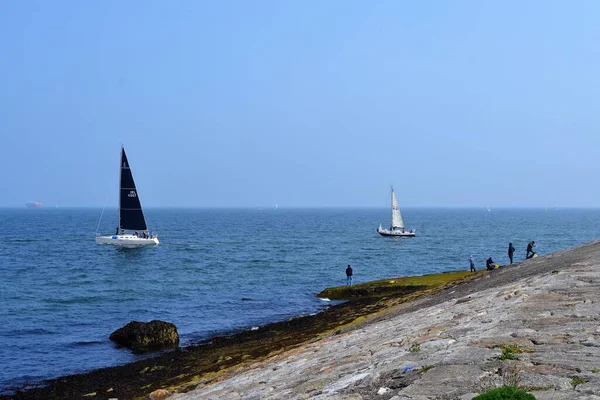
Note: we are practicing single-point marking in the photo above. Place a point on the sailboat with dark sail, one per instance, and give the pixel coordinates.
(131, 216)
(397, 228)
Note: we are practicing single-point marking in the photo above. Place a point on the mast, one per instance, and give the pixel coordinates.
(392, 194)
(120, 174)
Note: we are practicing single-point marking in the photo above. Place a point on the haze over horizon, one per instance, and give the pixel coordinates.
(245, 104)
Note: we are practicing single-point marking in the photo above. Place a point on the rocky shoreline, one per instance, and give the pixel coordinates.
(534, 323)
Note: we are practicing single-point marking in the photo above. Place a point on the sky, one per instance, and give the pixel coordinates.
(301, 103)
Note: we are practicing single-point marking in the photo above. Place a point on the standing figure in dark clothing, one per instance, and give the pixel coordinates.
(511, 251)
(349, 276)
(530, 247)
(489, 264)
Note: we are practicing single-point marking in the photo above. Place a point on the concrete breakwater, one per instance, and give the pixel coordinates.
(535, 324)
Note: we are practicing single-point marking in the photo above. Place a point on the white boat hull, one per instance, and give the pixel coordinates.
(397, 232)
(126, 240)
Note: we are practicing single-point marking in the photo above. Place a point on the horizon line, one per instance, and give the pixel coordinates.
(278, 207)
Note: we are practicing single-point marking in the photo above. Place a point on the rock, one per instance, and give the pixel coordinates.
(383, 390)
(159, 394)
(146, 336)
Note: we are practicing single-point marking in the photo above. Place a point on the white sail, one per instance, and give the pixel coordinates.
(396, 216)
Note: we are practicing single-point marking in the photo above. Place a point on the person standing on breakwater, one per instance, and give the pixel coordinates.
(511, 251)
(530, 247)
(349, 276)
(472, 263)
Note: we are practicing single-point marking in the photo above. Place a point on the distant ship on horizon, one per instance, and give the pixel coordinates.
(33, 204)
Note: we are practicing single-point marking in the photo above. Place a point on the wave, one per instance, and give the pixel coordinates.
(27, 240)
(30, 332)
(85, 343)
(75, 300)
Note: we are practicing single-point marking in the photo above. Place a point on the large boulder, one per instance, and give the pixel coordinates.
(146, 336)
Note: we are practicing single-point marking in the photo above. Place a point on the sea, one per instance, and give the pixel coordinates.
(218, 271)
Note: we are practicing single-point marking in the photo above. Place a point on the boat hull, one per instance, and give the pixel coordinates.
(395, 233)
(126, 240)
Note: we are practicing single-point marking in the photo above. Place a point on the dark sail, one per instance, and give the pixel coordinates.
(130, 209)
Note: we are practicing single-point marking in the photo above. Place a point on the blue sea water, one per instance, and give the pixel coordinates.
(220, 270)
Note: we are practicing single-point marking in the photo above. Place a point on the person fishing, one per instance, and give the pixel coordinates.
(472, 263)
(349, 275)
(511, 251)
(489, 264)
(530, 247)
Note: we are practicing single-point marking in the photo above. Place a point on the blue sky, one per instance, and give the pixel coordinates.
(256, 103)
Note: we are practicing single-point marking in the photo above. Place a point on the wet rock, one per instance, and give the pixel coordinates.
(146, 336)
(159, 394)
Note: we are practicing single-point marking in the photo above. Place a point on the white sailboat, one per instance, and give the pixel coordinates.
(131, 216)
(397, 228)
